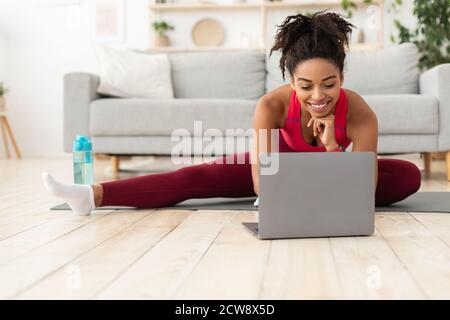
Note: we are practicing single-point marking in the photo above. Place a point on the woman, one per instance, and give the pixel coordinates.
(313, 114)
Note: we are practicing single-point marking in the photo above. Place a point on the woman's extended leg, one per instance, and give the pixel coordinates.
(79, 197)
(228, 176)
(98, 194)
(397, 179)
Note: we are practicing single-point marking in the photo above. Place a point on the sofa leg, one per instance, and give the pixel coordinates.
(115, 162)
(427, 161)
(448, 165)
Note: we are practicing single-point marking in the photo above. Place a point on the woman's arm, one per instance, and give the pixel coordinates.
(268, 113)
(362, 128)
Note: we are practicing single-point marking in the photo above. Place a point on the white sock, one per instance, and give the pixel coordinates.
(79, 197)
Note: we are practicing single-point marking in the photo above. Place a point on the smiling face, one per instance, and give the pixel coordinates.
(317, 83)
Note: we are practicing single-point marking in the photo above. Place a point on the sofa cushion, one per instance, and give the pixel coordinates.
(110, 117)
(221, 74)
(405, 113)
(392, 70)
(274, 77)
(397, 114)
(128, 74)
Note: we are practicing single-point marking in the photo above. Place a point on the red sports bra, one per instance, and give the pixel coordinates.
(291, 137)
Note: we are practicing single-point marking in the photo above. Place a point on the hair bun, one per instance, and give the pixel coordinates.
(291, 29)
(333, 25)
(300, 37)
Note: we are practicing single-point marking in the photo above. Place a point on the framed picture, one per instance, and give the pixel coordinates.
(108, 20)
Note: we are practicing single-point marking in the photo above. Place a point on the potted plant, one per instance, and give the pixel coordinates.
(431, 34)
(161, 39)
(349, 5)
(3, 91)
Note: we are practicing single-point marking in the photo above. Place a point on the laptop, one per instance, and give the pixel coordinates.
(315, 194)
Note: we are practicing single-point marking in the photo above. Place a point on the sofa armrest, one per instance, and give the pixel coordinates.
(80, 89)
(436, 82)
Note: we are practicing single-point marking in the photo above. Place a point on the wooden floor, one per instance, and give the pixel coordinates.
(163, 254)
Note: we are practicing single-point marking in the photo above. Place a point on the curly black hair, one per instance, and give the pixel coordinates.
(323, 35)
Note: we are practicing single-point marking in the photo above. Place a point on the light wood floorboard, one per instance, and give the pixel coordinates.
(181, 254)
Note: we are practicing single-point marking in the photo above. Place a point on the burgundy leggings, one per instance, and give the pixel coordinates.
(397, 179)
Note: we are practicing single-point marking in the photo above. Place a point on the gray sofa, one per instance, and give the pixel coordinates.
(221, 89)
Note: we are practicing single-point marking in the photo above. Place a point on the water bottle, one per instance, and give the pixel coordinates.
(83, 172)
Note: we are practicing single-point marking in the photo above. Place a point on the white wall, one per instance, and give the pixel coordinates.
(39, 44)
(42, 44)
(2, 58)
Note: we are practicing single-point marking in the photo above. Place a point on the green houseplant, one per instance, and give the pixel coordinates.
(3, 92)
(3, 89)
(349, 5)
(431, 35)
(161, 27)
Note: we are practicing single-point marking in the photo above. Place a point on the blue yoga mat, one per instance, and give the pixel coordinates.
(418, 202)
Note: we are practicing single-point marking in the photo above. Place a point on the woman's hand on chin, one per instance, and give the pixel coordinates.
(324, 128)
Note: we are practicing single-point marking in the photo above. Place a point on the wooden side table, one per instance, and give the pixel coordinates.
(6, 129)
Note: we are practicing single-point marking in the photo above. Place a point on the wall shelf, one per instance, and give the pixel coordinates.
(156, 9)
(273, 5)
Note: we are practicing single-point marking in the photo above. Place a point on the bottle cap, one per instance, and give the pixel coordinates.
(82, 143)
